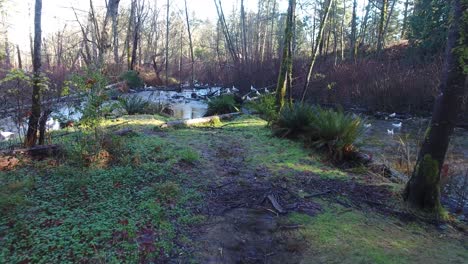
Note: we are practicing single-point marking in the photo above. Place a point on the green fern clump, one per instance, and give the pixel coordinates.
(134, 104)
(334, 130)
(320, 128)
(133, 79)
(222, 105)
(293, 121)
(266, 107)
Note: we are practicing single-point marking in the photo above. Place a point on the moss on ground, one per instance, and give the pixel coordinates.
(340, 235)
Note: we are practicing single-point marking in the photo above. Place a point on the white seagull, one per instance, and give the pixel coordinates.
(252, 88)
(266, 90)
(248, 98)
(6, 135)
(52, 124)
(367, 125)
(392, 115)
(390, 132)
(397, 125)
(258, 93)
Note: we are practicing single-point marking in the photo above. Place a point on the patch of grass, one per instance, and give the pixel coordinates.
(127, 212)
(341, 236)
(168, 192)
(189, 155)
(13, 194)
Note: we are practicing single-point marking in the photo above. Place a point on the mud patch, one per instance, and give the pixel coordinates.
(248, 235)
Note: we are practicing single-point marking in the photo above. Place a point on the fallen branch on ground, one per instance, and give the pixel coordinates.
(276, 204)
(37, 151)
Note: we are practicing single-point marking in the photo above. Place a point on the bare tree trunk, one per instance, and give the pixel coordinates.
(136, 33)
(381, 33)
(389, 17)
(342, 31)
(47, 55)
(31, 135)
(114, 7)
(423, 189)
(7, 52)
(167, 44)
(20, 64)
(363, 30)
(227, 34)
(192, 57)
(244, 35)
(181, 53)
(129, 33)
(272, 31)
(335, 37)
(352, 49)
(287, 60)
(316, 48)
(405, 20)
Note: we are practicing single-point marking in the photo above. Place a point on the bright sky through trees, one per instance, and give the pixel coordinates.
(58, 13)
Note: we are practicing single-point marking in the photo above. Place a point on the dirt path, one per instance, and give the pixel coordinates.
(242, 226)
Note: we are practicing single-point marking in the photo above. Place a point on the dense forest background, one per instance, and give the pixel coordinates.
(380, 55)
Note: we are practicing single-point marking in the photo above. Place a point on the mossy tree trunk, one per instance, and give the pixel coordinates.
(285, 73)
(423, 189)
(31, 135)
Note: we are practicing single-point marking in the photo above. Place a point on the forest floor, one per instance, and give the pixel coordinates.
(206, 195)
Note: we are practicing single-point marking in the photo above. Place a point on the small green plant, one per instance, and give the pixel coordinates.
(293, 121)
(266, 107)
(168, 192)
(189, 155)
(92, 85)
(132, 78)
(134, 104)
(222, 105)
(13, 194)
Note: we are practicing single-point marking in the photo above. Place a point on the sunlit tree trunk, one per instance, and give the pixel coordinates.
(244, 34)
(192, 57)
(423, 189)
(315, 53)
(20, 64)
(286, 63)
(130, 29)
(167, 44)
(381, 31)
(114, 6)
(31, 135)
(136, 33)
(405, 20)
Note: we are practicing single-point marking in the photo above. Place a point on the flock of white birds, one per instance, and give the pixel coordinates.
(391, 131)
